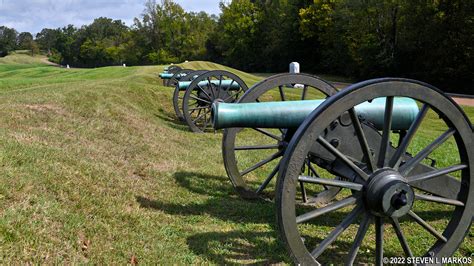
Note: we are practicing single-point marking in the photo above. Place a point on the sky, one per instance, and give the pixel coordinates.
(34, 15)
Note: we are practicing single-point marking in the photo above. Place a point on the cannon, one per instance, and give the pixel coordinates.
(168, 73)
(199, 94)
(251, 152)
(393, 181)
(178, 93)
(176, 77)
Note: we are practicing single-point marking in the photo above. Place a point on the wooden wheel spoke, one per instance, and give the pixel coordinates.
(197, 108)
(361, 232)
(362, 140)
(344, 158)
(379, 241)
(268, 179)
(209, 85)
(436, 173)
(219, 87)
(337, 232)
(268, 134)
(426, 226)
(305, 91)
(230, 85)
(258, 147)
(402, 148)
(206, 120)
(408, 166)
(232, 96)
(331, 182)
(438, 199)
(201, 116)
(199, 99)
(401, 237)
(261, 163)
(205, 92)
(326, 209)
(314, 172)
(282, 93)
(387, 126)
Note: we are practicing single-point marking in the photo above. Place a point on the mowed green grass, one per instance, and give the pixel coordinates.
(95, 168)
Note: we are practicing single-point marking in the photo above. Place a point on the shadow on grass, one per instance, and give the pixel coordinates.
(246, 246)
(203, 184)
(225, 209)
(172, 121)
(239, 247)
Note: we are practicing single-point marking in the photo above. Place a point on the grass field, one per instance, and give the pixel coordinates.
(95, 168)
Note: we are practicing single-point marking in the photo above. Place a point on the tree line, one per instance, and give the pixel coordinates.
(430, 40)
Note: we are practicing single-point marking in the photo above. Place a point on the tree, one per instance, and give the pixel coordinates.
(34, 48)
(164, 28)
(236, 37)
(8, 38)
(24, 40)
(47, 39)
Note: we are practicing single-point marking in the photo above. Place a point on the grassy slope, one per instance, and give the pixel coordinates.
(95, 168)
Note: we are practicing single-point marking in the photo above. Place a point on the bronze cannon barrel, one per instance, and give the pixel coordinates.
(226, 84)
(290, 114)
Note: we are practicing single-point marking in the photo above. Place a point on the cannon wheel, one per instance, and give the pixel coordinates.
(312, 88)
(177, 76)
(370, 197)
(198, 99)
(178, 95)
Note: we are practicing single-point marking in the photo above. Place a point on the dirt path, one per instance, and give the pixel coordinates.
(47, 62)
(464, 101)
(457, 99)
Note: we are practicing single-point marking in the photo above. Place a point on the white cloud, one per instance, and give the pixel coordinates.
(34, 15)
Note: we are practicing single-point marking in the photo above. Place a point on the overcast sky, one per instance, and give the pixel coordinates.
(34, 15)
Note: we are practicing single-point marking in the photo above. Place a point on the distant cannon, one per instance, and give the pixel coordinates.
(176, 77)
(199, 94)
(178, 94)
(240, 143)
(346, 152)
(168, 73)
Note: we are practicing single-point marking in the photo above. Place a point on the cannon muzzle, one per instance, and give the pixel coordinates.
(226, 84)
(290, 114)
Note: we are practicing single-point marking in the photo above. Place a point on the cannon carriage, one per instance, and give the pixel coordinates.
(358, 151)
(168, 73)
(178, 92)
(193, 98)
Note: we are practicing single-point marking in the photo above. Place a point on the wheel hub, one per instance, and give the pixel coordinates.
(388, 194)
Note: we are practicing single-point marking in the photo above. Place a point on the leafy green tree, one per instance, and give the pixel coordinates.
(8, 38)
(164, 29)
(236, 37)
(24, 40)
(199, 27)
(47, 39)
(34, 48)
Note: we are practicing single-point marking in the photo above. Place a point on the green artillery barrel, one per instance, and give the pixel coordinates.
(291, 114)
(183, 85)
(166, 75)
